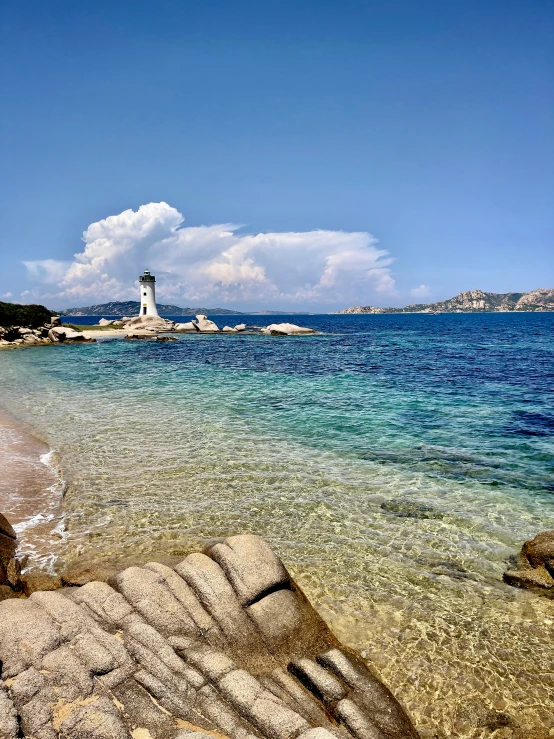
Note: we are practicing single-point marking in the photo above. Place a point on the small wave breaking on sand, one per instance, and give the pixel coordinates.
(31, 491)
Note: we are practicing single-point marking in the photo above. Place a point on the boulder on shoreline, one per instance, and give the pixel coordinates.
(204, 324)
(67, 334)
(51, 333)
(535, 565)
(154, 324)
(223, 643)
(10, 570)
(183, 328)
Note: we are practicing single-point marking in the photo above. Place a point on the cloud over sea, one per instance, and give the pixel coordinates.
(219, 263)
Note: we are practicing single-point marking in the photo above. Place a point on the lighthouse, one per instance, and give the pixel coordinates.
(147, 294)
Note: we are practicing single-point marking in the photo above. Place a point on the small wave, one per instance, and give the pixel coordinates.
(36, 520)
(51, 461)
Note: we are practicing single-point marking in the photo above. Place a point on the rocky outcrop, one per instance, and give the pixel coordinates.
(286, 329)
(535, 565)
(223, 643)
(115, 322)
(10, 571)
(152, 324)
(204, 324)
(186, 328)
(67, 334)
(50, 333)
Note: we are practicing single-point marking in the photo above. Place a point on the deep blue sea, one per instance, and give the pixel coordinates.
(396, 462)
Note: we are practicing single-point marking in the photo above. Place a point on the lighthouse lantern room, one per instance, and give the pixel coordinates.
(147, 294)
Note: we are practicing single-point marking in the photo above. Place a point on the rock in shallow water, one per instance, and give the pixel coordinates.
(406, 508)
(535, 565)
(223, 642)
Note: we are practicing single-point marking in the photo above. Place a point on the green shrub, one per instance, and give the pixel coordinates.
(30, 316)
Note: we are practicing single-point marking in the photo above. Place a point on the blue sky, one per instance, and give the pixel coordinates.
(336, 153)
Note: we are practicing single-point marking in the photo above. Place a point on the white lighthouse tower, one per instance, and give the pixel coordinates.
(147, 294)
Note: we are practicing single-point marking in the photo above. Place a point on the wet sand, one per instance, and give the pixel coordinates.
(31, 492)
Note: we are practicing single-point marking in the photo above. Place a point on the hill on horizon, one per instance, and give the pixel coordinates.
(132, 307)
(474, 301)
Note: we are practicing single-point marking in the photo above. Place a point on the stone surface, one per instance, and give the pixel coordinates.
(535, 565)
(154, 324)
(39, 580)
(64, 333)
(289, 329)
(189, 327)
(223, 644)
(540, 550)
(229, 330)
(204, 324)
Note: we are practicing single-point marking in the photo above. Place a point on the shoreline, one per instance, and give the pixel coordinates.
(31, 490)
(441, 620)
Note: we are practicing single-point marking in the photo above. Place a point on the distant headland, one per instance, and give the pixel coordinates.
(474, 301)
(132, 307)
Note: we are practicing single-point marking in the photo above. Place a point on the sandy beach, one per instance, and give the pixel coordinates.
(31, 492)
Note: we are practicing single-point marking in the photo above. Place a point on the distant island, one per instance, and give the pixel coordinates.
(474, 301)
(132, 308)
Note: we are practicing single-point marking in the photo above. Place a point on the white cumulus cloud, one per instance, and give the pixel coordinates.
(215, 264)
(423, 291)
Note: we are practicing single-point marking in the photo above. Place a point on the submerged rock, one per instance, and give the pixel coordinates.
(406, 508)
(223, 643)
(535, 565)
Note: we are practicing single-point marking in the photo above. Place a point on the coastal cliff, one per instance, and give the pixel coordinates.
(474, 301)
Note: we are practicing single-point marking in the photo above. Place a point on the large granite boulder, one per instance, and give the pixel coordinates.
(189, 327)
(287, 329)
(222, 644)
(154, 324)
(10, 572)
(535, 565)
(67, 334)
(204, 324)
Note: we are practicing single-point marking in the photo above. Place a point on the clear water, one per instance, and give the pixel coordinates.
(319, 443)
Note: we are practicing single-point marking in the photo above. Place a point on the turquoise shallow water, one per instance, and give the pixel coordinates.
(396, 463)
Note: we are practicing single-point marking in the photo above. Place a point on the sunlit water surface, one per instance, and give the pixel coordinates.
(395, 462)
